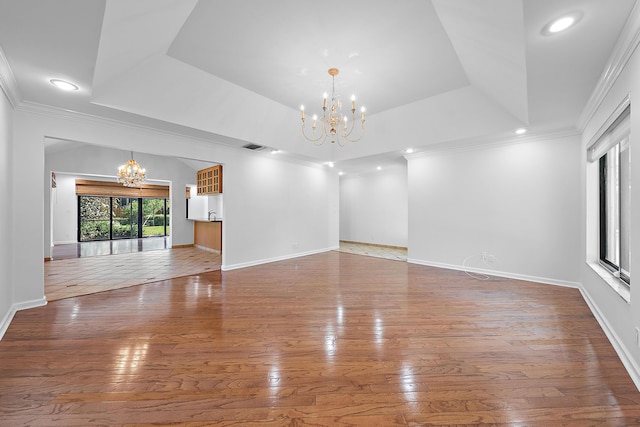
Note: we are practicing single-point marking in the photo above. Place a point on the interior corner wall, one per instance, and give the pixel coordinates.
(6, 184)
(518, 203)
(277, 208)
(374, 207)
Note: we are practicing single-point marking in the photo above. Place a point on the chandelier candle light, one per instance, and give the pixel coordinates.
(131, 174)
(334, 125)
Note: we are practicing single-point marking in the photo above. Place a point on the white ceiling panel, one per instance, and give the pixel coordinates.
(429, 72)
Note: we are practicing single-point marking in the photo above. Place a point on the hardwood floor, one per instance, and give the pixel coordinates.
(329, 339)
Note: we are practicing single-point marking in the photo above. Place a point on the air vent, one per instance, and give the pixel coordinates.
(254, 147)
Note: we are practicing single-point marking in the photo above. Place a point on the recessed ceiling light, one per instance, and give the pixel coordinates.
(562, 23)
(379, 168)
(520, 131)
(63, 85)
(409, 150)
(340, 173)
(330, 164)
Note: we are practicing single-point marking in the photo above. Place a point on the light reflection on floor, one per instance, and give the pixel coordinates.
(108, 247)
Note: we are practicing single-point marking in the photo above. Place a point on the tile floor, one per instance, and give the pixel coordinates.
(387, 252)
(67, 278)
(108, 247)
(87, 274)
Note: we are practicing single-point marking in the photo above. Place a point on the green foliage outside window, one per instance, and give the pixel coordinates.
(95, 220)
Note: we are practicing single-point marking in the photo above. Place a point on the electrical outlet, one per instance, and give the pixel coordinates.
(488, 258)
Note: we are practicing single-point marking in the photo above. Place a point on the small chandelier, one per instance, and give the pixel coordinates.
(334, 125)
(131, 174)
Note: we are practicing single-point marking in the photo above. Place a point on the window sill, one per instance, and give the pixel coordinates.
(614, 282)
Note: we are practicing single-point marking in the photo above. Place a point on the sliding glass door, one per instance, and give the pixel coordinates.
(155, 217)
(124, 218)
(110, 218)
(94, 217)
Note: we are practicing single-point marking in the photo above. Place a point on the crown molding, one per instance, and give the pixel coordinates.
(623, 50)
(386, 166)
(488, 142)
(65, 114)
(8, 82)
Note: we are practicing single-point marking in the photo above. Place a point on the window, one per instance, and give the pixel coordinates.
(93, 218)
(612, 152)
(108, 218)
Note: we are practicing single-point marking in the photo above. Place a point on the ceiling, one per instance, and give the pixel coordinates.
(430, 73)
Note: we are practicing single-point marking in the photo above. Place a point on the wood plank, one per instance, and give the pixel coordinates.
(328, 339)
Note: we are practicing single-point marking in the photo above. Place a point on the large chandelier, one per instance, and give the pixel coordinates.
(333, 124)
(131, 174)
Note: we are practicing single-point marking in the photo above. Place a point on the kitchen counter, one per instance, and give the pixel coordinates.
(205, 219)
(207, 234)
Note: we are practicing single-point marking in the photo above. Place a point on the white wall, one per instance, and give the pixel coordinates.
(273, 209)
(276, 208)
(64, 210)
(518, 202)
(198, 205)
(215, 203)
(374, 207)
(6, 215)
(619, 317)
(103, 161)
(28, 222)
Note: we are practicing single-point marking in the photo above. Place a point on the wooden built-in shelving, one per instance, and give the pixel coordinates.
(209, 180)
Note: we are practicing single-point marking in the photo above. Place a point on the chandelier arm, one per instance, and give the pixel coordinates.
(317, 144)
(347, 134)
(359, 138)
(314, 140)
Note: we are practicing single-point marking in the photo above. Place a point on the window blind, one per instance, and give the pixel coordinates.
(85, 187)
(618, 132)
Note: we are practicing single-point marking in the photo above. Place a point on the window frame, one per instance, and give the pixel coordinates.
(613, 140)
(140, 217)
(604, 175)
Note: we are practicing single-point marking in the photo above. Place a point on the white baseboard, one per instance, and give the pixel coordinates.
(64, 242)
(8, 317)
(204, 248)
(275, 259)
(618, 345)
(537, 279)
